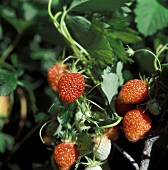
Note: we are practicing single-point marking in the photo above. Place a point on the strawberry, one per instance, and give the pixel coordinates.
(54, 73)
(113, 132)
(65, 155)
(136, 124)
(96, 167)
(102, 147)
(4, 106)
(120, 107)
(133, 91)
(71, 86)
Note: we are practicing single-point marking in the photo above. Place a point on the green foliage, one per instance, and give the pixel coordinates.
(8, 82)
(6, 142)
(94, 34)
(97, 5)
(114, 79)
(151, 16)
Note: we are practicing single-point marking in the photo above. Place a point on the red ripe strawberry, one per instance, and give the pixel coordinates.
(134, 91)
(136, 124)
(71, 86)
(120, 107)
(65, 155)
(54, 73)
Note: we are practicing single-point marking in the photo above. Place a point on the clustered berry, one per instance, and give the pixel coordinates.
(136, 121)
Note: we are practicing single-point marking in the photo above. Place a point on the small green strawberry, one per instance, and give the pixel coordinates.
(71, 86)
(136, 124)
(133, 91)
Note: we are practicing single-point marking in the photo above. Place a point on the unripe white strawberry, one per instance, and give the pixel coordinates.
(102, 147)
(96, 167)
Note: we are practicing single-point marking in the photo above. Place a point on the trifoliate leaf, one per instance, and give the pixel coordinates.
(151, 16)
(110, 83)
(8, 82)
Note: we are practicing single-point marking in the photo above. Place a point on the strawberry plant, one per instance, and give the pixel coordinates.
(83, 85)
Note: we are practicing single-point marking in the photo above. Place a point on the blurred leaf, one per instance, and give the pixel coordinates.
(6, 142)
(29, 88)
(98, 5)
(40, 117)
(150, 20)
(29, 11)
(110, 83)
(1, 32)
(8, 82)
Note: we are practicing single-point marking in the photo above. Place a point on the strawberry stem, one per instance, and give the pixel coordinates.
(157, 64)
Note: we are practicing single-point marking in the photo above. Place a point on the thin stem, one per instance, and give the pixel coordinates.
(161, 49)
(156, 60)
(92, 89)
(96, 105)
(113, 124)
(132, 161)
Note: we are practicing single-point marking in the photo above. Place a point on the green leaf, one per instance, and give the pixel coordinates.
(29, 11)
(40, 117)
(98, 5)
(84, 147)
(6, 142)
(151, 16)
(119, 73)
(8, 82)
(81, 29)
(110, 83)
(118, 48)
(66, 114)
(101, 50)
